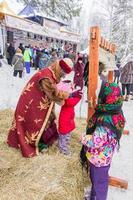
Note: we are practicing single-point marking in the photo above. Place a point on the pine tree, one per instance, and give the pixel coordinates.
(122, 26)
(115, 18)
(64, 9)
(102, 15)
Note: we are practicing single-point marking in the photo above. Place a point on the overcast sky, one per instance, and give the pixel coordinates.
(85, 15)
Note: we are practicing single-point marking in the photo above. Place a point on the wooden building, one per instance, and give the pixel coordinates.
(51, 33)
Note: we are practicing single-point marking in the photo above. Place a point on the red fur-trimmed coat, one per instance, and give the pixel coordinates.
(66, 117)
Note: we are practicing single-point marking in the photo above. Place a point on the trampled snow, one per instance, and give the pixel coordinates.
(122, 165)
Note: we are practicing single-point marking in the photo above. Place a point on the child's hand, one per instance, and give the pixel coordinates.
(77, 93)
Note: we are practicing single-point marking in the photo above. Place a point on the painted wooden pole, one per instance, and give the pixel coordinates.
(110, 76)
(111, 73)
(93, 69)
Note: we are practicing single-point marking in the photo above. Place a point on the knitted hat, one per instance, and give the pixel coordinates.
(66, 65)
(65, 86)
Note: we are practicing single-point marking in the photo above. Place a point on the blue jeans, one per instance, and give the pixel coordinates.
(27, 66)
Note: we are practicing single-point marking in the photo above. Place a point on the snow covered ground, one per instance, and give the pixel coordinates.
(122, 165)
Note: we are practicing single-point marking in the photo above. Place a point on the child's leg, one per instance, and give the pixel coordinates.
(68, 137)
(99, 178)
(63, 143)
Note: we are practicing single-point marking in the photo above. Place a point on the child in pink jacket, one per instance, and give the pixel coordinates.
(66, 122)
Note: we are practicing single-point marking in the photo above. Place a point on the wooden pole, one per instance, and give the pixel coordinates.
(93, 69)
(117, 182)
(110, 76)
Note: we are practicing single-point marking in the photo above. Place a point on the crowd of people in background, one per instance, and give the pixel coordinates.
(25, 57)
(38, 57)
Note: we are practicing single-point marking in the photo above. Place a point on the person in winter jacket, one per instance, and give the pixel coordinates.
(53, 57)
(79, 72)
(86, 73)
(21, 47)
(126, 78)
(103, 133)
(43, 61)
(11, 52)
(27, 59)
(117, 73)
(18, 63)
(66, 122)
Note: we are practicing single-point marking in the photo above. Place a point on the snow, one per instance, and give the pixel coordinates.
(122, 165)
(11, 86)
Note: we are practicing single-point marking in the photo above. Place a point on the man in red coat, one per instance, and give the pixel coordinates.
(34, 119)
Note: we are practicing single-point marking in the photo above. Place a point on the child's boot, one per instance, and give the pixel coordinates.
(88, 195)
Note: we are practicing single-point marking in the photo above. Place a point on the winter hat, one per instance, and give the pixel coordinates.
(66, 65)
(65, 86)
(18, 51)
